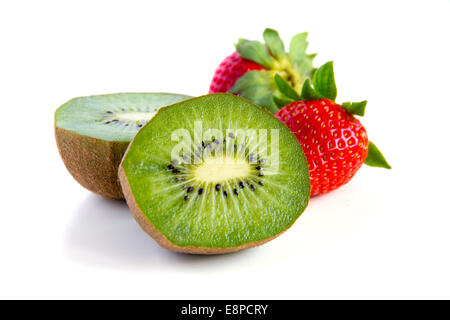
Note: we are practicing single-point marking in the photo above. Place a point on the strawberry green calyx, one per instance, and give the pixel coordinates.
(294, 67)
(285, 89)
(323, 81)
(258, 87)
(309, 93)
(357, 108)
(323, 86)
(255, 51)
(274, 43)
(375, 158)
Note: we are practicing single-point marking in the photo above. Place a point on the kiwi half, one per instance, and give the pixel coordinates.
(92, 134)
(199, 177)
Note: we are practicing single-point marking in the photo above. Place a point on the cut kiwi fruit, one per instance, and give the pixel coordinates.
(92, 134)
(214, 174)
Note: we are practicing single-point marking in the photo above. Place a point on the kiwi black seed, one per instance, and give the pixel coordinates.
(221, 202)
(92, 134)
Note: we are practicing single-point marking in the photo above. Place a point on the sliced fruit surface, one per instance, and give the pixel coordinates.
(92, 134)
(215, 174)
(112, 117)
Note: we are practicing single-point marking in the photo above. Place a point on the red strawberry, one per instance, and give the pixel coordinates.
(334, 141)
(231, 69)
(250, 70)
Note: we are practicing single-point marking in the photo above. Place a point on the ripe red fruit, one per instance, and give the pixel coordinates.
(335, 143)
(229, 70)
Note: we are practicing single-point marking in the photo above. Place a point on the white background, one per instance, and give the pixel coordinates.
(386, 234)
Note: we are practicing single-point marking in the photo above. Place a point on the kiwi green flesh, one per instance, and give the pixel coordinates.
(112, 117)
(236, 202)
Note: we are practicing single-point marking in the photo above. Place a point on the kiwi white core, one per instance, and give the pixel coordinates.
(214, 170)
(136, 116)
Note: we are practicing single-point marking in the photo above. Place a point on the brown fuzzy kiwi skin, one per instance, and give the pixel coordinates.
(92, 162)
(162, 240)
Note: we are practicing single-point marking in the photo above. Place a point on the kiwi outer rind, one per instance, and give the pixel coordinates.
(92, 162)
(162, 240)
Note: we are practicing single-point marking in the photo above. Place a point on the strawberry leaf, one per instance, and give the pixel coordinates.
(274, 43)
(308, 92)
(285, 88)
(258, 87)
(357, 108)
(294, 67)
(323, 81)
(255, 51)
(298, 46)
(281, 101)
(375, 158)
(297, 54)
